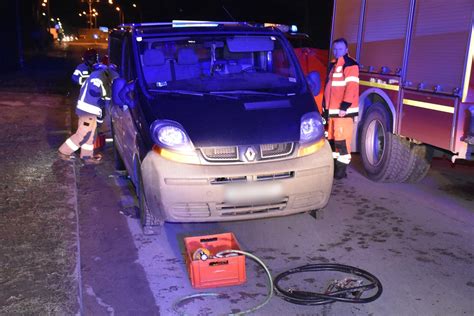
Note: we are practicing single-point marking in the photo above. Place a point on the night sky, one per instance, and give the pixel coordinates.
(311, 16)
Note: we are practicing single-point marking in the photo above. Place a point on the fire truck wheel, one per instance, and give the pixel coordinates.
(420, 162)
(385, 156)
(118, 162)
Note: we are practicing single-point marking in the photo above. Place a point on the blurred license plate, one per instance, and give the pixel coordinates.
(253, 193)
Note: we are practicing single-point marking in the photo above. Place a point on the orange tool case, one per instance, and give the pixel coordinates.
(214, 272)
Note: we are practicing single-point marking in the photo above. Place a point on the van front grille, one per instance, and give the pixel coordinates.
(269, 151)
(191, 210)
(230, 153)
(227, 209)
(275, 176)
(237, 153)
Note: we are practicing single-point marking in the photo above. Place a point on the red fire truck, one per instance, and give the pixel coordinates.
(310, 59)
(416, 82)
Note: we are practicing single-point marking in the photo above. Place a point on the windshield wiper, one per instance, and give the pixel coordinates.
(186, 92)
(251, 92)
(222, 95)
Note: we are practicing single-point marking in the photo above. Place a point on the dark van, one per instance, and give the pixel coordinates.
(214, 121)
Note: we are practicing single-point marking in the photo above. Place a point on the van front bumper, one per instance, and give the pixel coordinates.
(178, 192)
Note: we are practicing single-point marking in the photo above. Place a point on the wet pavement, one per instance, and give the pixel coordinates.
(61, 252)
(416, 238)
(38, 216)
(70, 243)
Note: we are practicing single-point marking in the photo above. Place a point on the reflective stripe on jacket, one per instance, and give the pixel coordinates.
(81, 73)
(342, 87)
(94, 92)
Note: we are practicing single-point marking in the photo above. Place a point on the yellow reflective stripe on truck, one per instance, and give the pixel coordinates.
(429, 106)
(379, 85)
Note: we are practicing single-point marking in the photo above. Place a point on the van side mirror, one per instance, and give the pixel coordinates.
(117, 85)
(122, 93)
(314, 82)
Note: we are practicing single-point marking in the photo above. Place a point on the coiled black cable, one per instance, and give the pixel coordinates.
(339, 295)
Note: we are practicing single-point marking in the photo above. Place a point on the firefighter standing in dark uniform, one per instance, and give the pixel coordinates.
(84, 69)
(94, 94)
(341, 105)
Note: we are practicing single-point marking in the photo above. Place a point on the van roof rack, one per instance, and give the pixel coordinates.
(186, 23)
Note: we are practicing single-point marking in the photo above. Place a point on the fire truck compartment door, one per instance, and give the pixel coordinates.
(439, 44)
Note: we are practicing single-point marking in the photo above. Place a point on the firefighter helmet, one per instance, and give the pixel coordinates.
(90, 56)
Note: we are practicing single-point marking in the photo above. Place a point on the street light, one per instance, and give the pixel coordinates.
(89, 2)
(121, 15)
(95, 14)
(138, 13)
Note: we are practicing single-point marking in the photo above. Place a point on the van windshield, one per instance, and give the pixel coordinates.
(213, 63)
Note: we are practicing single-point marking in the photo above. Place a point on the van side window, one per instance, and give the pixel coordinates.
(127, 69)
(115, 51)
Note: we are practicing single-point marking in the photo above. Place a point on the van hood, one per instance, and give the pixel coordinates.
(218, 121)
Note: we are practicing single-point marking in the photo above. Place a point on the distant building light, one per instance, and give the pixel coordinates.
(95, 36)
(52, 20)
(293, 28)
(43, 4)
(44, 14)
(103, 29)
(139, 38)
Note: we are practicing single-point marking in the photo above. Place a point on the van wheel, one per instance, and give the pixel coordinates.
(118, 161)
(421, 156)
(149, 223)
(385, 156)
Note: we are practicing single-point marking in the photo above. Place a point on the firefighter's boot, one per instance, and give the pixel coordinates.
(340, 170)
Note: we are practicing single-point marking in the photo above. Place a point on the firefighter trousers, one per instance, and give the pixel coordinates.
(340, 137)
(83, 138)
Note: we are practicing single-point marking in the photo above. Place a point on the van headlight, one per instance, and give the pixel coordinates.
(171, 135)
(311, 134)
(172, 142)
(311, 128)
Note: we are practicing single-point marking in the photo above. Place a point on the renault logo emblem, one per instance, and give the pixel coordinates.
(250, 154)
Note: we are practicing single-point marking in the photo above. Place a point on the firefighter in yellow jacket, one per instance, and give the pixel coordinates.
(341, 104)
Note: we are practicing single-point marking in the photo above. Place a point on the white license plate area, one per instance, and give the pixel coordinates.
(253, 193)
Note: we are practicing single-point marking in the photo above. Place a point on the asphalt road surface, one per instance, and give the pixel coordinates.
(70, 242)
